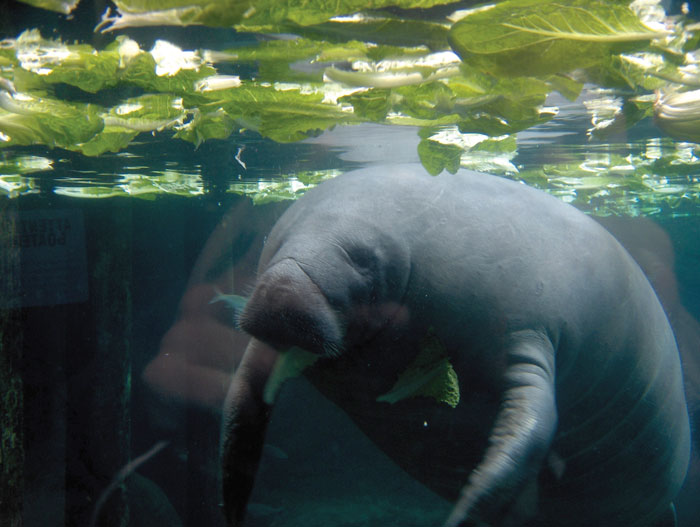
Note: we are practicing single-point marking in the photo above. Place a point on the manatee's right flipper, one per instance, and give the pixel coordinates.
(245, 420)
(520, 438)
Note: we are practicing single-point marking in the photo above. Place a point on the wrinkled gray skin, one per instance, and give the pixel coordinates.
(572, 410)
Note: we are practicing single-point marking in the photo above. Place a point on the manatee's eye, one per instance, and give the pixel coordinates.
(362, 257)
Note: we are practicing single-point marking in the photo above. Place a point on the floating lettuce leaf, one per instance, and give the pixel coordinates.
(290, 363)
(203, 126)
(678, 114)
(429, 375)
(282, 113)
(124, 122)
(166, 68)
(472, 100)
(74, 64)
(636, 71)
(26, 120)
(109, 139)
(536, 37)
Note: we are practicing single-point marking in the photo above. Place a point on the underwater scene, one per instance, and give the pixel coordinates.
(354, 263)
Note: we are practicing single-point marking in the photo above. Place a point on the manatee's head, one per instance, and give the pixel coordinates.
(327, 284)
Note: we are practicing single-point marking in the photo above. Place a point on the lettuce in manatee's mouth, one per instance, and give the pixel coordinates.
(290, 363)
(429, 375)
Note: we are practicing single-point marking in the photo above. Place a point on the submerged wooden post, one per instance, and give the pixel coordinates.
(99, 394)
(11, 390)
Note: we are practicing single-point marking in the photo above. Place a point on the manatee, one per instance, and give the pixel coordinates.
(571, 410)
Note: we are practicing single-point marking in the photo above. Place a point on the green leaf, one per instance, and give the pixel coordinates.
(436, 157)
(539, 37)
(429, 375)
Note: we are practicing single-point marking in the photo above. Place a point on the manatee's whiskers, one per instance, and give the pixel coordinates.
(332, 350)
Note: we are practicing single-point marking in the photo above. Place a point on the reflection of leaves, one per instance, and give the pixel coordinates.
(654, 176)
(381, 30)
(535, 37)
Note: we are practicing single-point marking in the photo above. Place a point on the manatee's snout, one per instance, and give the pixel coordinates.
(287, 309)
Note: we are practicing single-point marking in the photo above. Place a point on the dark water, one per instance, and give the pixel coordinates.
(120, 348)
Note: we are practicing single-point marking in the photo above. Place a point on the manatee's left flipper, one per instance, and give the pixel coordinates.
(520, 438)
(246, 416)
